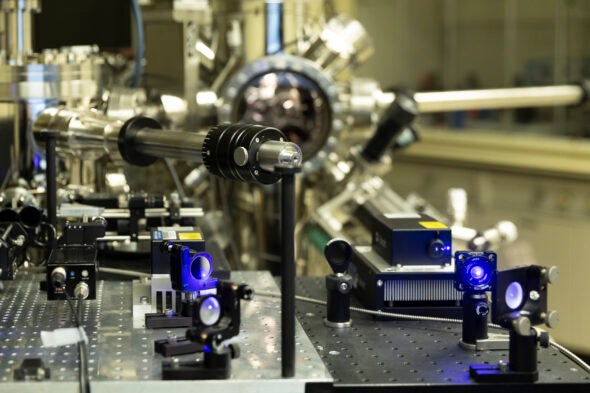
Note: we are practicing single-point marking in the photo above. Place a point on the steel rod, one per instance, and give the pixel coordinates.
(517, 97)
(288, 273)
(170, 144)
(51, 177)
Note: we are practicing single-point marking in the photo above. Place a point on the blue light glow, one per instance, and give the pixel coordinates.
(474, 271)
(209, 311)
(477, 272)
(514, 295)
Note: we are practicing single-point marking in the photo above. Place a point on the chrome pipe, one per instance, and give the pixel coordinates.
(517, 97)
(170, 144)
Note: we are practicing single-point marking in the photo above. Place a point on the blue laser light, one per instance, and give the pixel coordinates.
(474, 271)
(514, 295)
(209, 311)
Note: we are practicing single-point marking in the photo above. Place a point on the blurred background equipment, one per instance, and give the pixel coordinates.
(424, 149)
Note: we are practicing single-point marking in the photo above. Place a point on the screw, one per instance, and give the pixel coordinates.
(503, 365)
(379, 283)
(534, 296)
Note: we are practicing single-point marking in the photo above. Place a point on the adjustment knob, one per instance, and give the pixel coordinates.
(81, 291)
(552, 319)
(551, 274)
(544, 339)
(522, 326)
(58, 277)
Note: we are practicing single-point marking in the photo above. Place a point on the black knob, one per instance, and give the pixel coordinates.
(222, 141)
(58, 277)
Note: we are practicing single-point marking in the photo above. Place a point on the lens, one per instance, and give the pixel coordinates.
(209, 311)
(8, 215)
(201, 267)
(514, 295)
(30, 216)
(436, 248)
(477, 272)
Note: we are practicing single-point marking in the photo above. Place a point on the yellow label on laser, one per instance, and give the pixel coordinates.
(189, 236)
(433, 225)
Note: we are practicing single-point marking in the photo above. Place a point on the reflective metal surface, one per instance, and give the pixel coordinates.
(289, 101)
(499, 98)
(84, 134)
(395, 355)
(292, 94)
(122, 358)
(342, 42)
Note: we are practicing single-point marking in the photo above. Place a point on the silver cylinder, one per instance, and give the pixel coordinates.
(170, 144)
(83, 134)
(517, 97)
(279, 153)
(343, 42)
(18, 42)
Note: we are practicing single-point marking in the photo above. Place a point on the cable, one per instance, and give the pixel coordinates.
(74, 313)
(175, 178)
(370, 312)
(124, 272)
(569, 354)
(226, 217)
(82, 349)
(575, 358)
(136, 11)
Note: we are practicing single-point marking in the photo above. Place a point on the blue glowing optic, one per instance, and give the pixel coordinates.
(209, 311)
(201, 267)
(514, 295)
(477, 272)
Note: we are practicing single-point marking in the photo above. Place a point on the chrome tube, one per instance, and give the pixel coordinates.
(242, 152)
(83, 134)
(517, 97)
(170, 144)
(18, 28)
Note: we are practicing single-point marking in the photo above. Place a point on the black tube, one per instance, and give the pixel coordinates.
(523, 352)
(51, 176)
(30, 216)
(8, 215)
(338, 300)
(397, 117)
(287, 272)
(475, 317)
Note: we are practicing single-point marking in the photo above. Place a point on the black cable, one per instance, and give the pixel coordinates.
(175, 178)
(72, 309)
(82, 349)
(228, 224)
(140, 45)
